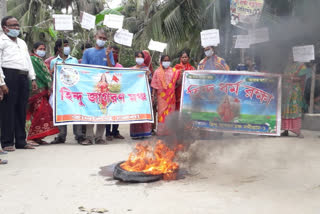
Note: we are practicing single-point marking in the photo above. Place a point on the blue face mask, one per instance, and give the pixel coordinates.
(41, 53)
(66, 51)
(13, 33)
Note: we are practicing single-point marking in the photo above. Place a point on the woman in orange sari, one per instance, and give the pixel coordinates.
(164, 83)
(183, 66)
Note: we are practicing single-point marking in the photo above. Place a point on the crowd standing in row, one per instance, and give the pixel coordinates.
(26, 85)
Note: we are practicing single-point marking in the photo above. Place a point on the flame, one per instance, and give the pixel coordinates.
(155, 160)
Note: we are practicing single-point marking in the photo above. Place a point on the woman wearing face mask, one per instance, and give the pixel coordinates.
(39, 122)
(212, 61)
(140, 130)
(183, 66)
(164, 83)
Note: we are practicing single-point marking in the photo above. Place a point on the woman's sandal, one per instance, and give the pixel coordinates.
(28, 146)
(33, 143)
(3, 162)
(42, 142)
(9, 149)
(3, 152)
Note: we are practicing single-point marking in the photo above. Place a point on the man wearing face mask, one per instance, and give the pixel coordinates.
(99, 55)
(15, 68)
(64, 56)
(212, 61)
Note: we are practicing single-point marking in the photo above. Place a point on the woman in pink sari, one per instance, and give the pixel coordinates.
(164, 83)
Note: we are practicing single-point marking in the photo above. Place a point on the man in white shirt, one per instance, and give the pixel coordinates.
(15, 68)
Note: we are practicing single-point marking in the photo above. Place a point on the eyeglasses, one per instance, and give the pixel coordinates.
(14, 25)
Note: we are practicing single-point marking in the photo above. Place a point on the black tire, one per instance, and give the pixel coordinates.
(133, 177)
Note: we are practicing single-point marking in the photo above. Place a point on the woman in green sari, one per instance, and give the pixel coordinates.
(292, 97)
(39, 113)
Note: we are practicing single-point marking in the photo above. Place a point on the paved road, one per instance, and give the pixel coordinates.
(238, 174)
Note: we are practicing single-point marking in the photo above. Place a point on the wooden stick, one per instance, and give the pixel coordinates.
(313, 86)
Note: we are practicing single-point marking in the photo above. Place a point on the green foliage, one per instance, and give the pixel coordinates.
(100, 16)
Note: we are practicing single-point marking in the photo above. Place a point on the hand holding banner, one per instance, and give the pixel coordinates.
(63, 22)
(210, 38)
(113, 21)
(157, 46)
(303, 53)
(123, 37)
(87, 21)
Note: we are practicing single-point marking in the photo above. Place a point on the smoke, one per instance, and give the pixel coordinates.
(297, 29)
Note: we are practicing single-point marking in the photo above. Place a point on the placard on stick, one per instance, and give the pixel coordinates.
(62, 22)
(303, 53)
(210, 38)
(157, 46)
(123, 37)
(113, 21)
(242, 41)
(259, 35)
(88, 21)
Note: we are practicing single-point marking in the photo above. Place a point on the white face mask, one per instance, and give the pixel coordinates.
(209, 53)
(13, 33)
(100, 43)
(166, 64)
(139, 61)
(41, 53)
(66, 51)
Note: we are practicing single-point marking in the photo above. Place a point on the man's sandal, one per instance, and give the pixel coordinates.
(9, 149)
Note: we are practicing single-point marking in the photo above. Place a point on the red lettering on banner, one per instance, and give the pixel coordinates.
(260, 94)
(133, 97)
(68, 94)
(142, 96)
(105, 97)
(195, 89)
(230, 87)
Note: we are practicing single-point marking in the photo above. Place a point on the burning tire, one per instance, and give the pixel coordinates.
(133, 177)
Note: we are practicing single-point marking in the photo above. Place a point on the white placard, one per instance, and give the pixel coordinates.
(63, 22)
(259, 35)
(123, 37)
(242, 41)
(210, 38)
(88, 21)
(303, 53)
(113, 21)
(157, 46)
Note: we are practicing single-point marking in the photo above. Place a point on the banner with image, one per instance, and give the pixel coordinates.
(233, 101)
(86, 94)
(245, 11)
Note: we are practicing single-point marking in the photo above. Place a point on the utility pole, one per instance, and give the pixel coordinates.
(3, 11)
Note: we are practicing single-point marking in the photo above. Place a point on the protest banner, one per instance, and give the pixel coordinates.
(233, 101)
(62, 22)
(88, 21)
(303, 53)
(113, 21)
(245, 11)
(123, 37)
(157, 46)
(242, 41)
(210, 38)
(85, 94)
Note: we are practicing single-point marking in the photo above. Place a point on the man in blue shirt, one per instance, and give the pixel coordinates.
(65, 57)
(99, 55)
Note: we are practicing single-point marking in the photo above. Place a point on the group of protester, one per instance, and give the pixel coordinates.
(26, 85)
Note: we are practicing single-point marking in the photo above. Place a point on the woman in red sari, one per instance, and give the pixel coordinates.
(183, 66)
(164, 83)
(39, 122)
